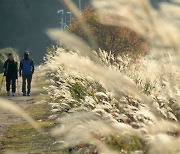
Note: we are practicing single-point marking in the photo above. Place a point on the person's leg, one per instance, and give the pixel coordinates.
(29, 79)
(8, 83)
(24, 84)
(13, 85)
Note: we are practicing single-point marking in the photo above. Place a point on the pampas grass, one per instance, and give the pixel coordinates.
(124, 98)
(119, 96)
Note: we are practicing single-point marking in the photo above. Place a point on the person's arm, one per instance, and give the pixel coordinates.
(20, 68)
(32, 65)
(16, 70)
(5, 68)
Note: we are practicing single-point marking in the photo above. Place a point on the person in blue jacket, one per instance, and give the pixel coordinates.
(26, 70)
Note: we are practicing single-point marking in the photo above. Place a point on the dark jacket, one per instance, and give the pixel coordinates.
(10, 68)
(22, 68)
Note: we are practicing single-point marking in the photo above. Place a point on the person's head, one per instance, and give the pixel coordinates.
(11, 56)
(26, 54)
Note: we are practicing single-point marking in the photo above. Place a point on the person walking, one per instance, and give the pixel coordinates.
(11, 73)
(26, 70)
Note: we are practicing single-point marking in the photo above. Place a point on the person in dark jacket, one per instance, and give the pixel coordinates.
(11, 73)
(26, 70)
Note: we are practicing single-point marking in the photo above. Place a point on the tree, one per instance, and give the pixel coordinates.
(109, 38)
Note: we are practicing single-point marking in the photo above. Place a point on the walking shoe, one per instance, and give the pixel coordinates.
(24, 94)
(8, 93)
(28, 94)
(13, 94)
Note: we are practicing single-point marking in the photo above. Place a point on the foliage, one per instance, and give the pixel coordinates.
(95, 89)
(140, 105)
(3, 56)
(78, 92)
(128, 143)
(108, 37)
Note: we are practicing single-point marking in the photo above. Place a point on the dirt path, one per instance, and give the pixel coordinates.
(17, 135)
(7, 119)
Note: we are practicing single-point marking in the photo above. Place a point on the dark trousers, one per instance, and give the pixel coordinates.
(26, 79)
(11, 80)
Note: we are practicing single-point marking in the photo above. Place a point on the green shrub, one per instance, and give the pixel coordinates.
(126, 143)
(3, 56)
(51, 50)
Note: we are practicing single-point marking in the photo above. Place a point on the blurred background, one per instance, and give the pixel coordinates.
(23, 23)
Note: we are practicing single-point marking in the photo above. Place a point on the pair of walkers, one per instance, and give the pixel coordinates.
(26, 70)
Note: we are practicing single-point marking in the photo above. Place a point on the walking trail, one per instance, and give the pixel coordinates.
(7, 118)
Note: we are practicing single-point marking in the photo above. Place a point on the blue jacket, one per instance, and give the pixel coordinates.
(26, 66)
